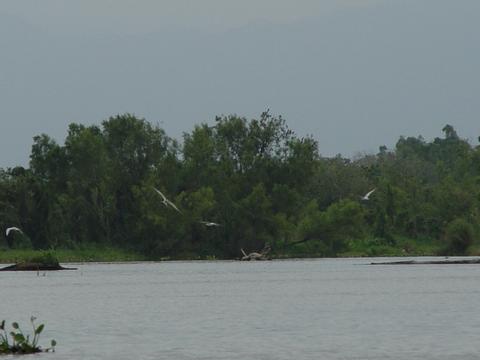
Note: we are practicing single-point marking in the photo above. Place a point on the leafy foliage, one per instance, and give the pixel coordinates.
(18, 343)
(47, 258)
(459, 236)
(255, 178)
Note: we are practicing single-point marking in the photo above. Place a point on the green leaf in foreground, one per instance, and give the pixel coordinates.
(39, 329)
(21, 343)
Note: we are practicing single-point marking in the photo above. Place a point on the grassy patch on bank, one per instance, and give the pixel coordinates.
(88, 254)
(399, 246)
(369, 247)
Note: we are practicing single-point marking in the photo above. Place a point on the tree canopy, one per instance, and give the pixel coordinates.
(256, 179)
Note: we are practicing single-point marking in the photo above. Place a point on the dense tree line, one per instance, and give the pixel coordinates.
(257, 179)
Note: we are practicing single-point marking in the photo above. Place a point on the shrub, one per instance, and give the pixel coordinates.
(46, 258)
(459, 236)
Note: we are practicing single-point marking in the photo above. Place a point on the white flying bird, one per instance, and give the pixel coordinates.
(209, 223)
(165, 201)
(13, 228)
(366, 197)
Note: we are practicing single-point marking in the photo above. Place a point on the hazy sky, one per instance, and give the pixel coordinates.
(355, 74)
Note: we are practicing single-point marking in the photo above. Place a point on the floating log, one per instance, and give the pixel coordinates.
(430, 262)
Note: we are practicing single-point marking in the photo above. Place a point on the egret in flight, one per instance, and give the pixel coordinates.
(209, 223)
(366, 197)
(13, 228)
(165, 201)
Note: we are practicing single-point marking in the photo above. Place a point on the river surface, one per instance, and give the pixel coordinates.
(303, 309)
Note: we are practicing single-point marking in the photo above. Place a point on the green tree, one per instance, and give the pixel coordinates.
(459, 236)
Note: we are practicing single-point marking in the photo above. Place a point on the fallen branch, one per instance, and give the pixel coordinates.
(262, 255)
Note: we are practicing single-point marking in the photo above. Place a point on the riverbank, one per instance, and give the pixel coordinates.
(398, 246)
(357, 248)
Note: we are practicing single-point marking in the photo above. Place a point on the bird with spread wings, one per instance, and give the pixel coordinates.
(209, 224)
(167, 202)
(366, 197)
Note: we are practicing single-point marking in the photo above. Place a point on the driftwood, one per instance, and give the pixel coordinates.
(262, 255)
(35, 267)
(430, 262)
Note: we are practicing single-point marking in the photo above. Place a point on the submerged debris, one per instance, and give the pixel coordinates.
(44, 262)
(429, 262)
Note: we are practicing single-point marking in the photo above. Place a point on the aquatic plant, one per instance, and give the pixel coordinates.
(16, 342)
(46, 258)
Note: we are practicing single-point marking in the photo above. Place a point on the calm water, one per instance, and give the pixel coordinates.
(309, 309)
